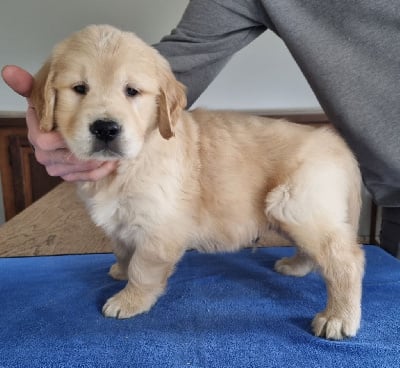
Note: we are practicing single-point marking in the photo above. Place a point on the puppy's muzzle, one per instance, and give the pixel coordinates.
(105, 130)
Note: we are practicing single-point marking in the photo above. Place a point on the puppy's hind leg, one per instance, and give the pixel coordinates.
(119, 270)
(341, 263)
(300, 264)
(322, 231)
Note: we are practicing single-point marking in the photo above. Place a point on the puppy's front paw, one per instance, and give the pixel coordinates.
(335, 328)
(126, 304)
(117, 273)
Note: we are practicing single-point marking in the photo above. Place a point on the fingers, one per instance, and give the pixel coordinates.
(46, 141)
(64, 164)
(101, 172)
(63, 157)
(18, 79)
(69, 171)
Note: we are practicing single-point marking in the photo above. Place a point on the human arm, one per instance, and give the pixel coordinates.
(209, 33)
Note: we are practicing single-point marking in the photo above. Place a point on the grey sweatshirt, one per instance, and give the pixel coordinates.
(349, 51)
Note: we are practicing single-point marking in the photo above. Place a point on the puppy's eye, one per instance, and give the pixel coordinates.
(81, 89)
(130, 91)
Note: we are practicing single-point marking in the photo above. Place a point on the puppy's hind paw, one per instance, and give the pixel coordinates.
(117, 273)
(298, 266)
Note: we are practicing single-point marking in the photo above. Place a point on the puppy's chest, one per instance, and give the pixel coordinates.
(123, 213)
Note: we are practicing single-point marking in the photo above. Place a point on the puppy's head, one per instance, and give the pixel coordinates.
(105, 91)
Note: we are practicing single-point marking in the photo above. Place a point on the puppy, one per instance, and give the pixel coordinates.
(213, 181)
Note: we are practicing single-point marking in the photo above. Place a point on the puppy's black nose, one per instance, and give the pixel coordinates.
(105, 130)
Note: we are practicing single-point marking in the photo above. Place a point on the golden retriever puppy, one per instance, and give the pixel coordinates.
(213, 181)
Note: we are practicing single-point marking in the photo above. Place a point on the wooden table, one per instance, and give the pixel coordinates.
(55, 224)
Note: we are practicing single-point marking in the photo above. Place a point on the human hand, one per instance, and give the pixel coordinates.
(50, 148)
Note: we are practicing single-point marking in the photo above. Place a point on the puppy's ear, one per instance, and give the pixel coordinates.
(172, 100)
(44, 96)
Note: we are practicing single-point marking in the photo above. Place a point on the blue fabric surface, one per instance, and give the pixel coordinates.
(229, 310)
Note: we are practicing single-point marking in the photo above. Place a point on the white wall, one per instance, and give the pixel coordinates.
(30, 28)
(261, 77)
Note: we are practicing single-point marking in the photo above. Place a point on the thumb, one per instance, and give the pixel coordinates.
(18, 79)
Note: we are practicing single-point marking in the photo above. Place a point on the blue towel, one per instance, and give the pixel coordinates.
(220, 310)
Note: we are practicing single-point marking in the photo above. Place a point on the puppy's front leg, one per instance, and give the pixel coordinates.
(148, 271)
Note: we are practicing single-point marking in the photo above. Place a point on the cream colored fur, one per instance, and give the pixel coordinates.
(214, 181)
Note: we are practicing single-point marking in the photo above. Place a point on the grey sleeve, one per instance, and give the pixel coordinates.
(209, 33)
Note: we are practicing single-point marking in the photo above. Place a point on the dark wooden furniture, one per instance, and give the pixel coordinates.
(23, 179)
